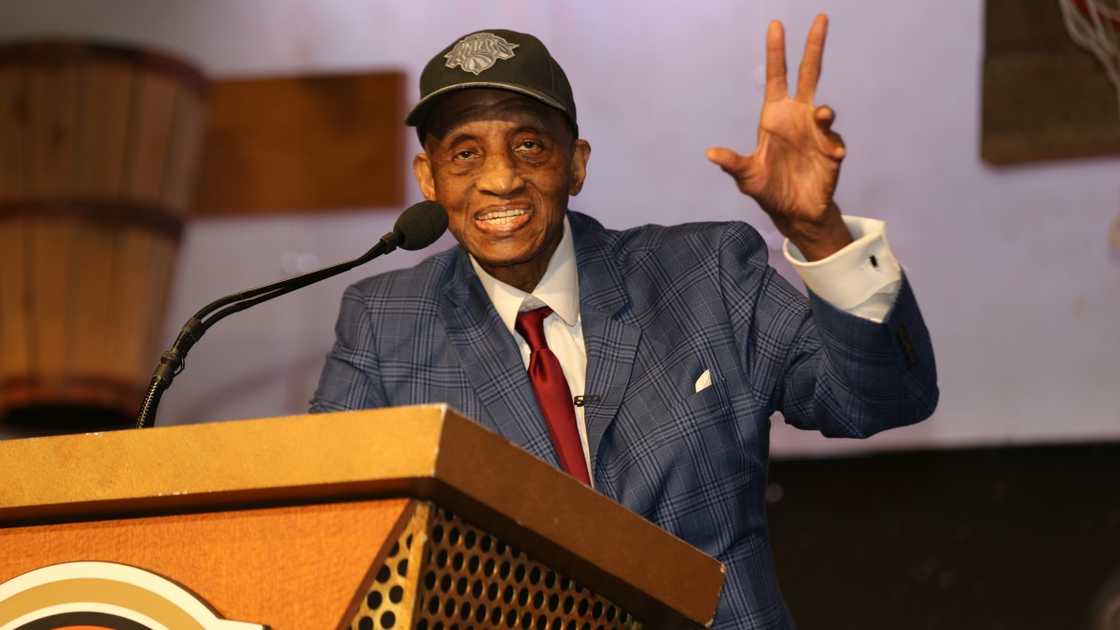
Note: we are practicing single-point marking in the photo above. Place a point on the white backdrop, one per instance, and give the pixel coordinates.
(1012, 266)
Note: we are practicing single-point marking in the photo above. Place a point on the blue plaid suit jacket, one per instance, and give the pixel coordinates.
(659, 305)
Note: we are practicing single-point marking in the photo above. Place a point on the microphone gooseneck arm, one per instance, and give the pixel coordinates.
(418, 227)
(171, 362)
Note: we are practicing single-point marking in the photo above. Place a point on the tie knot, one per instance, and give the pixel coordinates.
(531, 326)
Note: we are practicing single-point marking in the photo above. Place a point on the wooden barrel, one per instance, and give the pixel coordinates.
(98, 150)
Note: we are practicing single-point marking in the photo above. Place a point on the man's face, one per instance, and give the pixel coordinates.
(503, 165)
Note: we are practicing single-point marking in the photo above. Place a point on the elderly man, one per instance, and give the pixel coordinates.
(645, 362)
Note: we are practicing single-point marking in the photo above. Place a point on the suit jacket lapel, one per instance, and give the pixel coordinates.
(609, 333)
(491, 361)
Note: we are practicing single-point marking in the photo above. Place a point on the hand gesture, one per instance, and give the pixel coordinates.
(793, 171)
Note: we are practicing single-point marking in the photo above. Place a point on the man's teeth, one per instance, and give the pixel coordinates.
(500, 217)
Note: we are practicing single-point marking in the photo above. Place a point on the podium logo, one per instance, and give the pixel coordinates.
(103, 596)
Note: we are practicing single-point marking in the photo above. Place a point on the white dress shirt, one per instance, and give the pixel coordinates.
(862, 279)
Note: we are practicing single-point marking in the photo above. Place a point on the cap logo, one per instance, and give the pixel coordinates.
(478, 52)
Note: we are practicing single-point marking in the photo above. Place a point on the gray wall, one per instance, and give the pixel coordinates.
(1013, 266)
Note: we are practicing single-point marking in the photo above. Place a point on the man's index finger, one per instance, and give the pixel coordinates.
(777, 87)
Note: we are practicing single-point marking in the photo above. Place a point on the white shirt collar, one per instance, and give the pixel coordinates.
(558, 288)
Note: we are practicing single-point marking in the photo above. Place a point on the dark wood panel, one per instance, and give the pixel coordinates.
(1045, 97)
(970, 539)
(302, 144)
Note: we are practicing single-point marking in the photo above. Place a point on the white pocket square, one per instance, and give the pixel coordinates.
(705, 381)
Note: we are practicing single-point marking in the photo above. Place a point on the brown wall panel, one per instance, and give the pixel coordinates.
(299, 144)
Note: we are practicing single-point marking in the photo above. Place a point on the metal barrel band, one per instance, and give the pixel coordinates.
(63, 51)
(103, 212)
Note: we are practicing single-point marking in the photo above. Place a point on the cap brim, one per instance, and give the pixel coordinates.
(416, 116)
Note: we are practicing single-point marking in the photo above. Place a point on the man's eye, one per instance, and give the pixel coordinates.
(529, 146)
(465, 154)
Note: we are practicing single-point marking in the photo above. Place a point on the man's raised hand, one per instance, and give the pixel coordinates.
(793, 171)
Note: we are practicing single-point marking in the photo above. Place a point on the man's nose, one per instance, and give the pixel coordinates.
(500, 175)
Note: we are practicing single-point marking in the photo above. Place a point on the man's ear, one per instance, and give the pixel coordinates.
(422, 170)
(581, 153)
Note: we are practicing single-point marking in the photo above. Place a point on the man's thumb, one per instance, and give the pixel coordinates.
(724, 158)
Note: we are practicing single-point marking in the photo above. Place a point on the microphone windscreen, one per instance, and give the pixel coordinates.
(421, 225)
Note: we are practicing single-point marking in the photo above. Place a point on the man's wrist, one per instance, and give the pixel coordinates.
(817, 240)
(862, 279)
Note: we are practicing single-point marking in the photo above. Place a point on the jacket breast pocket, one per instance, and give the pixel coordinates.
(705, 408)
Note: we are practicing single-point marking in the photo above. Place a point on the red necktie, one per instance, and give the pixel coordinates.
(553, 395)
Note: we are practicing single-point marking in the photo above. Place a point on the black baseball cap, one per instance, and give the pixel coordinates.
(498, 59)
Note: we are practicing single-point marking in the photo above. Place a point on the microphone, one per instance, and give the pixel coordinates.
(419, 226)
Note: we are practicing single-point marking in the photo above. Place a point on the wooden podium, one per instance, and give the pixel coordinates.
(409, 517)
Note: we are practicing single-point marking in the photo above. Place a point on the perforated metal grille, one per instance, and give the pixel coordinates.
(444, 574)
(474, 580)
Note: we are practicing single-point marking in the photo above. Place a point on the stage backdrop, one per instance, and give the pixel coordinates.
(1013, 266)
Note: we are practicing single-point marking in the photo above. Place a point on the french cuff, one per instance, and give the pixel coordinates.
(863, 278)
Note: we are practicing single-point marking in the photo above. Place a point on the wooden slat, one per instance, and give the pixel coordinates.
(162, 274)
(300, 144)
(94, 334)
(132, 303)
(103, 127)
(51, 137)
(14, 352)
(13, 112)
(49, 273)
(153, 117)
